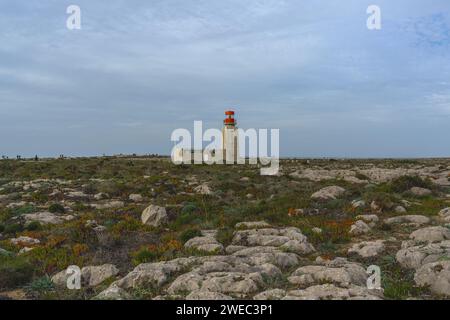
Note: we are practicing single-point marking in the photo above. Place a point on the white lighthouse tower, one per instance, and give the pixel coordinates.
(230, 141)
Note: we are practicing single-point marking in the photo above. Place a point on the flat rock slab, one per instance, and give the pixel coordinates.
(413, 219)
(288, 239)
(328, 193)
(47, 218)
(339, 272)
(272, 294)
(252, 225)
(368, 249)
(431, 234)
(90, 276)
(332, 292)
(207, 295)
(206, 243)
(114, 204)
(414, 256)
(436, 276)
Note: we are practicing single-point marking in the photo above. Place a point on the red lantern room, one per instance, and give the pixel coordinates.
(229, 120)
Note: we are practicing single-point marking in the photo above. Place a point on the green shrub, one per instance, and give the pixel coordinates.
(23, 210)
(144, 255)
(13, 228)
(39, 197)
(384, 199)
(48, 260)
(189, 234)
(189, 208)
(14, 272)
(79, 206)
(362, 176)
(34, 226)
(186, 218)
(405, 183)
(56, 208)
(2, 228)
(113, 188)
(41, 285)
(5, 215)
(336, 204)
(127, 224)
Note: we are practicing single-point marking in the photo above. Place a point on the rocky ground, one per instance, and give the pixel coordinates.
(143, 228)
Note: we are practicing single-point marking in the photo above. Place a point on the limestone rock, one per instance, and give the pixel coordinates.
(358, 228)
(156, 273)
(298, 247)
(232, 249)
(90, 275)
(203, 189)
(47, 218)
(207, 295)
(101, 196)
(288, 239)
(328, 193)
(273, 294)
(376, 207)
(60, 278)
(344, 275)
(232, 283)
(400, 209)
(113, 204)
(368, 249)
(431, 234)
(252, 225)
(113, 293)
(154, 216)
(135, 197)
(261, 255)
(77, 195)
(436, 276)
(188, 282)
(94, 275)
(330, 291)
(414, 219)
(445, 214)
(355, 180)
(368, 218)
(207, 244)
(420, 192)
(25, 250)
(14, 205)
(358, 204)
(414, 256)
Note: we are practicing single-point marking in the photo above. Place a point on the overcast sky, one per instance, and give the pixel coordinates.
(137, 70)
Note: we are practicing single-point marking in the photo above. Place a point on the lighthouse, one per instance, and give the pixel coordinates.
(230, 138)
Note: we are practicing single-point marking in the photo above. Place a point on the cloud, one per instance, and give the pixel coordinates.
(440, 103)
(137, 71)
